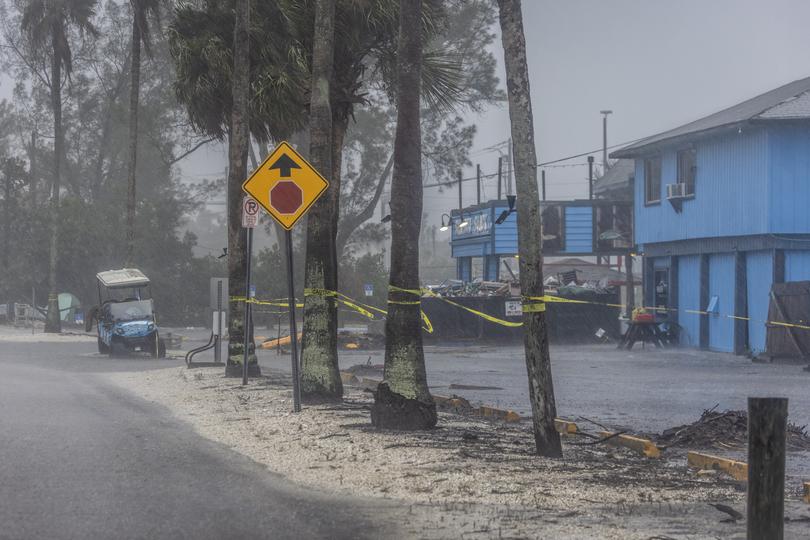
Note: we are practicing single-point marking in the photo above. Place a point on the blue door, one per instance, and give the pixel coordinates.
(689, 300)
(759, 274)
(721, 300)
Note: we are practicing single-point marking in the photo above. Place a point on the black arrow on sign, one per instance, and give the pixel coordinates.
(285, 164)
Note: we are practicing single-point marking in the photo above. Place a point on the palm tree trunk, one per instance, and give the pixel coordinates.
(402, 400)
(238, 141)
(538, 361)
(320, 378)
(134, 88)
(53, 321)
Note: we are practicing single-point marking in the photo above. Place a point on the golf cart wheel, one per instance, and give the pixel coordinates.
(117, 349)
(102, 347)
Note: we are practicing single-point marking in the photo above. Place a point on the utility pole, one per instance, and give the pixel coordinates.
(543, 183)
(500, 170)
(478, 182)
(604, 114)
(460, 206)
(509, 168)
(590, 177)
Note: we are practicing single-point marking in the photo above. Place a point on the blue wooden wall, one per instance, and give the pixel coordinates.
(578, 229)
(730, 183)
(506, 238)
(689, 299)
(790, 178)
(797, 265)
(759, 275)
(721, 284)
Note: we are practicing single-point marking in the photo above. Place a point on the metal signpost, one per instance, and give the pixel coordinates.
(250, 217)
(286, 186)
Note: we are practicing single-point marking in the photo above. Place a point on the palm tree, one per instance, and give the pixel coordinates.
(238, 142)
(320, 378)
(142, 10)
(47, 24)
(281, 51)
(535, 336)
(365, 32)
(402, 400)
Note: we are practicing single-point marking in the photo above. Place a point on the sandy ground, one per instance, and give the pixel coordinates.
(24, 335)
(469, 478)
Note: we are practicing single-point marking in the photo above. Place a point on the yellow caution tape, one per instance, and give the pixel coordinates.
(481, 314)
(277, 303)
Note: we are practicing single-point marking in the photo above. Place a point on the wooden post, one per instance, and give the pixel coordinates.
(767, 421)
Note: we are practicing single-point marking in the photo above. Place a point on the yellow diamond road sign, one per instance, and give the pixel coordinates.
(286, 185)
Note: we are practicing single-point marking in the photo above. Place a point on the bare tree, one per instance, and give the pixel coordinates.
(535, 337)
(402, 400)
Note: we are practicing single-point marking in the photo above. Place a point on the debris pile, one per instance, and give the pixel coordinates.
(724, 430)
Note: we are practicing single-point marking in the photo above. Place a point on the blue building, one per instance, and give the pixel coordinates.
(721, 212)
(570, 228)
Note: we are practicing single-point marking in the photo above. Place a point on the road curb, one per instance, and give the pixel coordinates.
(637, 444)
(736, 469)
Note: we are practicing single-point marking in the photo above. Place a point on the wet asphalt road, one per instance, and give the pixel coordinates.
(80, 458)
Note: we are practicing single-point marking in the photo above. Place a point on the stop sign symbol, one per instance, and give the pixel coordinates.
(286, 197)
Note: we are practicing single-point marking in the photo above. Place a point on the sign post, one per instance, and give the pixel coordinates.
(250, 217)
(286, 186)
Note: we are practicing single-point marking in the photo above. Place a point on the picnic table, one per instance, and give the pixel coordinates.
(646, 331)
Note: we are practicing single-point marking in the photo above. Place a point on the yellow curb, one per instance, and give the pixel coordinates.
(492, 412)
(565, 427)
(737, 469)
(348, 378)
(806, 494)
(642, 446)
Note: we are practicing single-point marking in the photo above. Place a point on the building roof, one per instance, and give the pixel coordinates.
(616, 179)
(126, 277)
(788, 102)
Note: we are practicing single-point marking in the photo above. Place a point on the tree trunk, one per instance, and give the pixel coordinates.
(32, 170)
(238, 141)
(53, 321)
(134, 88)
(402, 400)
(6, 222)
(535, 336)
(320, 376)
(349, 224)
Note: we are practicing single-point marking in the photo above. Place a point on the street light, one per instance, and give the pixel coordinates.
(505, 214)
(604, 114)
(463, 222)
(446, 224)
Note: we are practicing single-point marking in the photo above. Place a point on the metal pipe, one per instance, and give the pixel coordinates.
(246, 324)
(590, 177)
(293, 330)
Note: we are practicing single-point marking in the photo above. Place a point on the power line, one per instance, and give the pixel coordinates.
(546, 164)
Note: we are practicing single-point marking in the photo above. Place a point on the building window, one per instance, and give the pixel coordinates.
(652, 180)
(687, 168)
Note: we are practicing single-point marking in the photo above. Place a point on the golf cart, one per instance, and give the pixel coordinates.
(125, 318)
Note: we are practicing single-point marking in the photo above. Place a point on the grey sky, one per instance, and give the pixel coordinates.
(655, 63)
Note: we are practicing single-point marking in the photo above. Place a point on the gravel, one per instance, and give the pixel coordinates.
(465, 476)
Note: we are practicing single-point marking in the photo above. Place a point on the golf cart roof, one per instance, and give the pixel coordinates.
(126, 277)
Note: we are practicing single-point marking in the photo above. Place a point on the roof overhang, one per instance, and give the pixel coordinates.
(125, 277)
